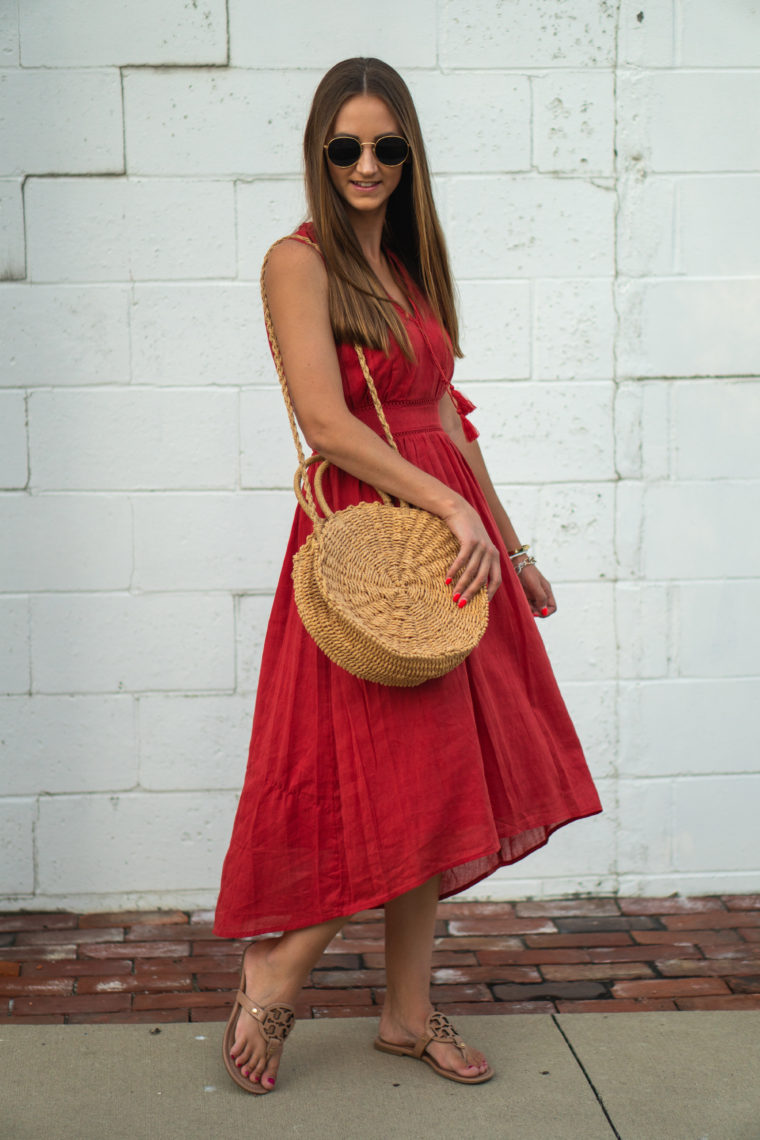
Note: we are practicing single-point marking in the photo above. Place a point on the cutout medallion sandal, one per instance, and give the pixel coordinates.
(275, 1021)
(437, 1028)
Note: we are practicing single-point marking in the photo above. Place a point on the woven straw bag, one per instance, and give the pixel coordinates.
(369, 581)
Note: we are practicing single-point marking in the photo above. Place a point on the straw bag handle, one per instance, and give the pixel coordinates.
(301, 485)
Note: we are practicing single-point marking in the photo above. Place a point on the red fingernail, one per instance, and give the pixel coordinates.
(271, 1080)
(545, 611)
(457, 597)
(449, 581)
(462, 603)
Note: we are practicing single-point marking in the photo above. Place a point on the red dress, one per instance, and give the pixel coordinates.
(357, 792)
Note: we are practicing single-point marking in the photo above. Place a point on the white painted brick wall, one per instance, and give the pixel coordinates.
(597, 167)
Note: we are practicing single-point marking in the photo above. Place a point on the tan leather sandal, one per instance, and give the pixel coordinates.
(276, 1022)
(437, 1028)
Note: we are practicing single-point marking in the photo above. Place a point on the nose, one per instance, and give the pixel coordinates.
(367, 163)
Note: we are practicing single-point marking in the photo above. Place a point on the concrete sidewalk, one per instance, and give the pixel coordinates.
(642, 1076)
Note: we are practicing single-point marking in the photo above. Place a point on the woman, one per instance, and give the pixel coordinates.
(357, 794)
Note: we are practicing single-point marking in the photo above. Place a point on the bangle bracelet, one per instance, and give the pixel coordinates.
(520, 550)
(525, 562)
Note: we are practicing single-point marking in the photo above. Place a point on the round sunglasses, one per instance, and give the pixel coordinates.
(390, 150)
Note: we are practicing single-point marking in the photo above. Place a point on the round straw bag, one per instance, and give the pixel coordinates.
(369, 582)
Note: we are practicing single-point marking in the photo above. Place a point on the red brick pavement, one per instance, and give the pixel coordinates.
(566, 956)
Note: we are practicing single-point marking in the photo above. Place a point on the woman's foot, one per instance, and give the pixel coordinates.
(397, 1031)
(265, 984)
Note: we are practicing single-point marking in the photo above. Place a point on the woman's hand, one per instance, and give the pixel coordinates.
(538, 592)
(478, 558)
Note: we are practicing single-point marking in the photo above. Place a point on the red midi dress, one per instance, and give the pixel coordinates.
(356, 792)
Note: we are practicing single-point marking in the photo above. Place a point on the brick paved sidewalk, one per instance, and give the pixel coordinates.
(566, 956)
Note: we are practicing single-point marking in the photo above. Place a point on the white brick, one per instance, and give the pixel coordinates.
(715, 430)
(133, 842)
(68, 744)
(645, 825)
(685, 728)
(211, 541)
(574, 330)
(199, 334)
(9, 44)
(731, 41)
(474, 122)
(189, 743)
(61, 122)
(319, 36)
(121, 229)
(574, 122)
(495, 330)
(687, 532)
(268, 457)
(689, 328)
(12, 255)
(527, 33)
(137, 438)
(627, 427)
(14, 645)
(629, 513)
(529, 227)
(86, 337)
(252, 618)
(682, 121)
(17, 822)
(642, 620)
(88, 33)
(646, 224)
(267, 209)
(13, 458)
(550, 432)
(573, 531)
(646, 38)
(656, 444)
(716, 824)
(580, 637)
(719, 629)
(216, 121)
(584, 848)
(101, 643)
(66, 542)
(591, 705)
(717, 231)
(642, 439)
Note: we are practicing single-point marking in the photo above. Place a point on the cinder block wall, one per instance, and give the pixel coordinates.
(597, 170)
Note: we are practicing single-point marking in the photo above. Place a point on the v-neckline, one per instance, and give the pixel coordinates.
(411, 316)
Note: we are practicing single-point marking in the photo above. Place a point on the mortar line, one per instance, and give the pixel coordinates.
(585, 1072)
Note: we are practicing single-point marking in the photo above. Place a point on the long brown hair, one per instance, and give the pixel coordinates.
(359, 308)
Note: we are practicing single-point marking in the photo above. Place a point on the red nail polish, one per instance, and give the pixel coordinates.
(545, 611)
(462, 603)
(271, 1080)
(457, 597)
(449, 581)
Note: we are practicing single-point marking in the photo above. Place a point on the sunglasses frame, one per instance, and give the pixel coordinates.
(361, 145)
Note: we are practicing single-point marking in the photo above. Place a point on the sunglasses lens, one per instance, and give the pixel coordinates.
(343, 151)
(391, 150)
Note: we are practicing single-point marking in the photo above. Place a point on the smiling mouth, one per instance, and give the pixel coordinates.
(364, 185)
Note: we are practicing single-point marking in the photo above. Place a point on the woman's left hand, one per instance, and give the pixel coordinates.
(538, 592)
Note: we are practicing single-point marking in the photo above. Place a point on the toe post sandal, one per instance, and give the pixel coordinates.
(437, 1028)
(275, 1022)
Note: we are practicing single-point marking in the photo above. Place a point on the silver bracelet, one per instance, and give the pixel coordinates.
(526, 562)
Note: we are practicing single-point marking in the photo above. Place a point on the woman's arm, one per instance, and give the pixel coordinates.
(296, 283)
(537, 589)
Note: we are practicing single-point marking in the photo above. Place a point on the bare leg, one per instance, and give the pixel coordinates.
(409, 927)
(275, 971)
